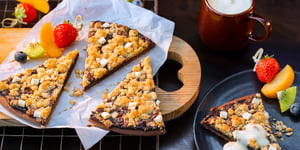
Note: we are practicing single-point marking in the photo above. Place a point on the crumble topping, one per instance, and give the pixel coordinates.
(133, 103)
(36, 90)
(109, 45)
(76, 92)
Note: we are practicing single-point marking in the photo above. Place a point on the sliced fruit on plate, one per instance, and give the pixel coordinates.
(47, 41)
(40, 5)
(34, 50)
(286, 98)
(283, 80)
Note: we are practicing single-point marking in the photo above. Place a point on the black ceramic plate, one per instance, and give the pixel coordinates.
(235, 86)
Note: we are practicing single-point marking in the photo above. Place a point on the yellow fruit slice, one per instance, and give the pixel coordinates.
(40, 5)
(47, 41)
(283, 80)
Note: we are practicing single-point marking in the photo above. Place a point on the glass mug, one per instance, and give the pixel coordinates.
(227, 25)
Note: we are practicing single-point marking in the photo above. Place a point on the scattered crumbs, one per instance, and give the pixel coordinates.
(89, 125)
(97, 92)
(281, 129)
(68, 84)
(78, 73)
(65, 109)
(66, 89)
(70, 107)
(76, 92)
(85, 48)
(72, 102)
(104, 95)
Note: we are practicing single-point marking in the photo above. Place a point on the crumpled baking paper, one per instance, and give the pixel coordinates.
(158, 29)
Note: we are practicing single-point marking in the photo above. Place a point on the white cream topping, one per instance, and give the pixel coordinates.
(105, 25)
(102, 40)
(223, 114)
(21, 103)
(252, 132)
(35, 81)
(103, 61)
(234, 146)
(137, 74)
(158, 118)
(127, 45)
(16, 79)
(37, 114)
(247, 115)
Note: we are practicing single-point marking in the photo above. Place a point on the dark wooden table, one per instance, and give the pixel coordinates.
(284, 43)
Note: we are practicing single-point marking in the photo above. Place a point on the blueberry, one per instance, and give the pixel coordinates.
(20, 57)
(295, 109)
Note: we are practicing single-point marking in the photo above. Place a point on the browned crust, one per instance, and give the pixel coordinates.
(118, 67)
(211, 114)
(4, 102)
(129, 131)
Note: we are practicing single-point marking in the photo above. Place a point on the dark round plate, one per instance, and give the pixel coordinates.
(235, 86)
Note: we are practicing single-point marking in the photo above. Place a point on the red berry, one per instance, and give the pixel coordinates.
(25, 12)
(64, 34)
(266, 69)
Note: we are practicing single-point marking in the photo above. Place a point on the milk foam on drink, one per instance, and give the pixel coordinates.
(230, 7)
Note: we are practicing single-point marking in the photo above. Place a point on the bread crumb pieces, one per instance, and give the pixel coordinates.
(281, 139)
(66, 89)
(65, 109)
(281, 128)
(72, 102)
(76, 92)
(97, 92)
(78, 73)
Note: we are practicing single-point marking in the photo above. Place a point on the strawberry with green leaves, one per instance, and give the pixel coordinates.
(267, 68)
(25, 12)
(64, 34)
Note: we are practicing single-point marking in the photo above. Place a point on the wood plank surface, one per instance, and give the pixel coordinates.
(173, 104)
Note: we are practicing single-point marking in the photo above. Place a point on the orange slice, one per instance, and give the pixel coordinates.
(40, 5)
(283, 80)
(47, 41)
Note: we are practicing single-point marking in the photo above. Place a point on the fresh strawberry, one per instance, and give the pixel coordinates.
(267, 68)
(64, 34)
(25, 12)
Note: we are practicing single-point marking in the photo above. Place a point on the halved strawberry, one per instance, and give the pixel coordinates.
(64, 34)
(267, 68)
(25, 12)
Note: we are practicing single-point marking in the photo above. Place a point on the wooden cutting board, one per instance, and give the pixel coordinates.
(173, 104)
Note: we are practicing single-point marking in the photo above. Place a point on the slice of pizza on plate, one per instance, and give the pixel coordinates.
(110, 46)
(244, 120)
(34, 93)
(132, 107)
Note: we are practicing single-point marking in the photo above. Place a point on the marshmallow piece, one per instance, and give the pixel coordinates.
(21, 103)
(103, 61)
(105, 115)
(127, 45)
(16, 79)
(247, 115)
(131, 105)
(37, 114)
(35, 81)
(223, 114)
(158, 118)
(105, 25)
(102, 40)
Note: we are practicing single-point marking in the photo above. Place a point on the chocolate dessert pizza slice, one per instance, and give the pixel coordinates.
(110, 46)
(132, 107)
(244, 120)
(33, 94)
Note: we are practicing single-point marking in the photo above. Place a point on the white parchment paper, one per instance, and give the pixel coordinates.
(158, 29)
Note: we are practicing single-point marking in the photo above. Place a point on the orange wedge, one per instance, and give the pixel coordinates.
(47, 41)
(283, 80)
(40, 5)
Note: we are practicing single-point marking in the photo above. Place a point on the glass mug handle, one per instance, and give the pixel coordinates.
(266, 24)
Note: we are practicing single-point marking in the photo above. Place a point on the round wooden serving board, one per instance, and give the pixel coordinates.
(173, 104)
